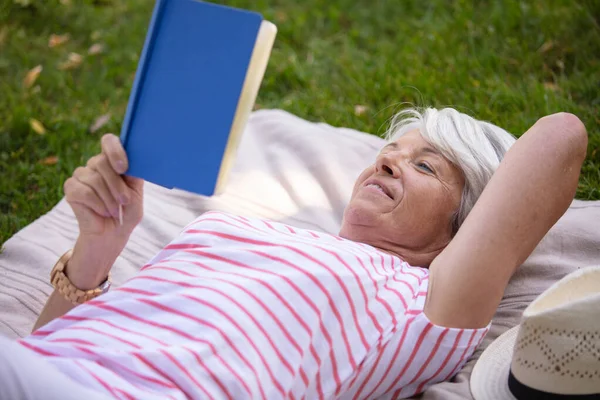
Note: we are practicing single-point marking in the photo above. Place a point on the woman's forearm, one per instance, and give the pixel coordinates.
(97, 193)
(529, 192)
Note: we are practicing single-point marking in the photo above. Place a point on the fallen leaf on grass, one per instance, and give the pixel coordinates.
(551, 86)
(52, 160)
(360, 109)
(37, 126)
(96, 48)
(57, 40)
(280, 16)
(32, 76)
(65, 2)
(73, 61)
(99, 122)
(546, 46)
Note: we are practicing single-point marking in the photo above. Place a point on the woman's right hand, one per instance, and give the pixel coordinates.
(95, 193)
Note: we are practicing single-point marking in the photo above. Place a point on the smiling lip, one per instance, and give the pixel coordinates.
(377, 183)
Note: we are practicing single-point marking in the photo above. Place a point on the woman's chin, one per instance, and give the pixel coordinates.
(360, 215)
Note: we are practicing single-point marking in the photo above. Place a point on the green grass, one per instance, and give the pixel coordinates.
(509, 62)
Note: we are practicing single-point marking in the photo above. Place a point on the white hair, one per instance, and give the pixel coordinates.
(475, 147)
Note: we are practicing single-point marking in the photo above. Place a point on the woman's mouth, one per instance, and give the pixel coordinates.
(380, 188)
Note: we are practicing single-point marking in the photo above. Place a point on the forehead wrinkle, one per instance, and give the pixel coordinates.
(417, 150)
(426, 149)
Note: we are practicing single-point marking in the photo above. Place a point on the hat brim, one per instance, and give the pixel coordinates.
(489, 379)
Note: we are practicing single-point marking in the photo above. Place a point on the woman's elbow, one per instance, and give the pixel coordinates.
(567, 132)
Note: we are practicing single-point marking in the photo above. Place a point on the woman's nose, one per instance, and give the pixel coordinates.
(387, 165)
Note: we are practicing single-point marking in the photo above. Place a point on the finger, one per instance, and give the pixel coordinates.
(77, 192)
(115, 183)
(137, 184)
(95, 181)
(114, 151)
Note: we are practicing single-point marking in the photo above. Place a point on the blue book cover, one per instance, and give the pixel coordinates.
(197, 79)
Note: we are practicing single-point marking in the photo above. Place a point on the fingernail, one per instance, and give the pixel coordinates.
(123, 199)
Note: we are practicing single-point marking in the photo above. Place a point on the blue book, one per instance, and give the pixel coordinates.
(196, 83)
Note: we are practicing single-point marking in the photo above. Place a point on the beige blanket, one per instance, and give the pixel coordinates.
(289, 170)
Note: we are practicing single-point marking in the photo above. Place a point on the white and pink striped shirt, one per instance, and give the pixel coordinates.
(239, 308)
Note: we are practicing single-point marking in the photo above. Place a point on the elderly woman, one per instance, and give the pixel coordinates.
(241, 308)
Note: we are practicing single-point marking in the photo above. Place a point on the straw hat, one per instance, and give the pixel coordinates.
(554, 353)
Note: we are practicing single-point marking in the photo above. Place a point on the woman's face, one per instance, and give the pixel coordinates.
(405, 202)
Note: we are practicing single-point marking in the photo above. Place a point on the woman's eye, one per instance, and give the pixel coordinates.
(425, 167)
